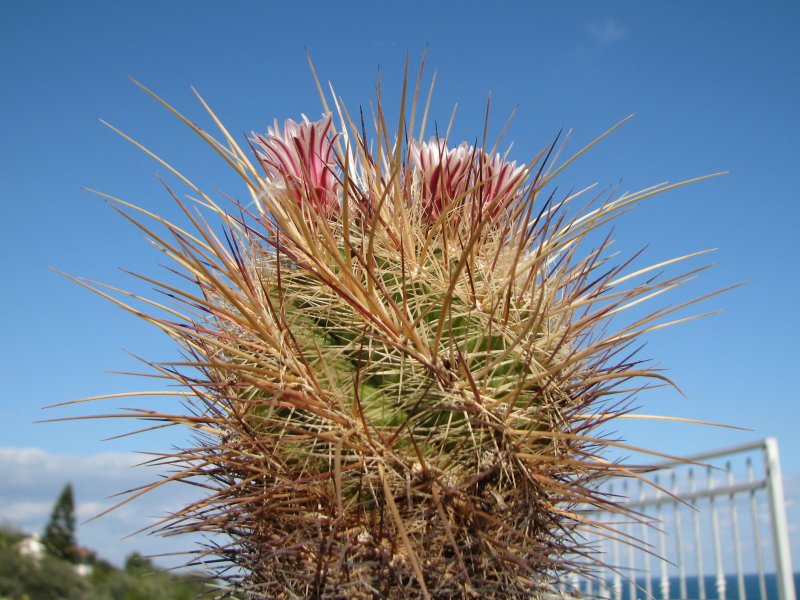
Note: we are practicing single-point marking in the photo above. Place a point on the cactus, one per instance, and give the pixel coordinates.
(398, 361)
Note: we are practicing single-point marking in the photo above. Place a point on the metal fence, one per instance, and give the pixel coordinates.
(727, 536)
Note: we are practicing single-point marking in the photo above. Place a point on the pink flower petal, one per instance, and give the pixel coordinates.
(302, 158)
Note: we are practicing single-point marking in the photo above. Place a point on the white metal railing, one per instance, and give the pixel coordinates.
(705, 529)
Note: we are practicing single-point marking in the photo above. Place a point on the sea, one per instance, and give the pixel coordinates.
(752, 588)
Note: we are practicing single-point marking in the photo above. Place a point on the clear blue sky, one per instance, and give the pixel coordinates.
(714, 85)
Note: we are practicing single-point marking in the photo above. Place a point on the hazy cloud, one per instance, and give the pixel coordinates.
(21, 512)
(607, 31)
(33, 478)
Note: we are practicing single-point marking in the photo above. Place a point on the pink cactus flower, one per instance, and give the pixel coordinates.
(302, 158)
(500, 178)
(444, 173)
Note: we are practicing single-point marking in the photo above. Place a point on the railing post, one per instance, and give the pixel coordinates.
(757, 546)
(737, 543)
(780, 528)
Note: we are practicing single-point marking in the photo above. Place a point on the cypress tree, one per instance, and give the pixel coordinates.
(59, 534)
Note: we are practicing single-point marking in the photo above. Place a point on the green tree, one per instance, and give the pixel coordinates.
(59, 534)
(136, 563)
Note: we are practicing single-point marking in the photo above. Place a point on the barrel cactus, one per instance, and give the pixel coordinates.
(398, 360)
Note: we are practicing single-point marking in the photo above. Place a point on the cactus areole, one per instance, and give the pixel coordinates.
(399, 358)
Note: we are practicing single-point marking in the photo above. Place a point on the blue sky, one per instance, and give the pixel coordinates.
(714, 86)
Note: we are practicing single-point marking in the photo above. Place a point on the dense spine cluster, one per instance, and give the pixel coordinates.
(399, 359)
